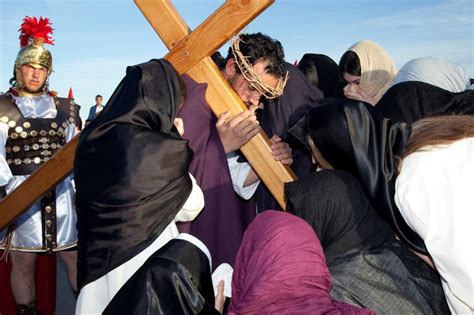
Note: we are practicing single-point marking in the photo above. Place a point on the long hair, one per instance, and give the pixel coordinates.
(439, 130)
(350, 63)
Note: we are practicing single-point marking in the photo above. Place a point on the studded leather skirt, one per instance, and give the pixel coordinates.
(31, 232)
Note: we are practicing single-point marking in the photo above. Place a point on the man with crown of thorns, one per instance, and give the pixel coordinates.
(35, 124)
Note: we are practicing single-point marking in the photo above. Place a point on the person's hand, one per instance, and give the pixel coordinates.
(281, 151)
(220, 298)
(237, 131)
(179, 124)
(355, 92)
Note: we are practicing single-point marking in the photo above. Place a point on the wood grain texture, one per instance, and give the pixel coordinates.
(37, 184)
(221, 97)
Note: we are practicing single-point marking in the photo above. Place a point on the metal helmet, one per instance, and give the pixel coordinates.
(33, 34)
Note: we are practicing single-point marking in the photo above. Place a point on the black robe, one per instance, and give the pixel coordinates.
(131, 170)
(411, 101)
(280, 114)
(353, 136)
(176, 279)
(323, 72)
(370, 268)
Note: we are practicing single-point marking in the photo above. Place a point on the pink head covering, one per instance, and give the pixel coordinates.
(280, 268)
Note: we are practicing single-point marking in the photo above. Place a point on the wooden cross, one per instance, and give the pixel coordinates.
(189, 53)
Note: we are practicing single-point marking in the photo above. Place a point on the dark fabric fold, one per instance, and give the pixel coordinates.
(131, 170)
(334, 204)
(370, 268)
(280, 114)
(411, 101)
(176, 279)
(325, 72)
(353, 136)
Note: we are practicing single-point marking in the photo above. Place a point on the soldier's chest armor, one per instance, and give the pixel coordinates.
(32, 141)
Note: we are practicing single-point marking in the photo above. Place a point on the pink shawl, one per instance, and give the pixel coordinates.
(280, 268)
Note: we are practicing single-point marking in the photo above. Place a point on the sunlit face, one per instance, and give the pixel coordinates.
(98, 101)
(352, 89)
(249, 95)
(351, 79)
(34, 77)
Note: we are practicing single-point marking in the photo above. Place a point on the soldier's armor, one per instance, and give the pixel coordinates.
(32, 141)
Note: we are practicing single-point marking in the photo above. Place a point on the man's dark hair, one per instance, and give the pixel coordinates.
(13, 79)
(259, 47)
(218, 60)
(350, 63)
(98, 95)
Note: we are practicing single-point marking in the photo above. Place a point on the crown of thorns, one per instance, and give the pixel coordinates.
(246, 68)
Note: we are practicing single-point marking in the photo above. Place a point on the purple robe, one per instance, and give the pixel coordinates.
(225, 216)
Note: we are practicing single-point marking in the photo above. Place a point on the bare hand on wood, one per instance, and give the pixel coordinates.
(237, 131)
(281, 151)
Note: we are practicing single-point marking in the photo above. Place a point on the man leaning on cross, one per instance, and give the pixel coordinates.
(254, 69)
(254, 73)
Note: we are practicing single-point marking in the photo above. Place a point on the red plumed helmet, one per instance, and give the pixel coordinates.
(33, 34)
(33, 28)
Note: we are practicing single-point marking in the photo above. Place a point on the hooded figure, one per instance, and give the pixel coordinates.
(280, 269)
(412, 101)
(354, 137)
(373, 67)
(131, 171)
(370, 267)
(323, 72)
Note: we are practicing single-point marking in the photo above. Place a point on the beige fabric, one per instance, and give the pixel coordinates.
(377, 68)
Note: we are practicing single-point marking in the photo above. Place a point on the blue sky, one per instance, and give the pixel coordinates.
(97, 39)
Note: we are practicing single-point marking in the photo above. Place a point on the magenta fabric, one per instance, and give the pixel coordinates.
(280, 269)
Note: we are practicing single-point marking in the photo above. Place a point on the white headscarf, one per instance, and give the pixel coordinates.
(377, 68)
(438, 72)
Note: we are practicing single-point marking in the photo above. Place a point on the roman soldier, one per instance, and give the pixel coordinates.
(34, 124)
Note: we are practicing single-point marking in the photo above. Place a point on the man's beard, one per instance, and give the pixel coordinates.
(231, 81)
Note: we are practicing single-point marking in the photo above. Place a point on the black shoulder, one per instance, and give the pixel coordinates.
(8, 107)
